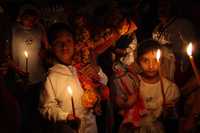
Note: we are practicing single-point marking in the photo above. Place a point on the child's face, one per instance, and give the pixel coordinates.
(63, 48)
(149, 64)
(29, 21)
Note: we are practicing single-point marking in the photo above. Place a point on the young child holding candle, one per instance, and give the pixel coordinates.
(150, 92)
(26, 71)
(29, 36)
(55, 100)
(156, 102)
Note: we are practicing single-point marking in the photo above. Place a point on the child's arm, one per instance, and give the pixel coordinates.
(172, 95)
(122, 99)
(49, 106)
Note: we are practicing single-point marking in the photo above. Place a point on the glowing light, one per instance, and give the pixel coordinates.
(72, 100)
(158, 53)
(69, 90)
(26, 54)
(189, 49)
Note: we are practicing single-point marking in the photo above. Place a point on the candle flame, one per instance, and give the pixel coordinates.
(189, 49)
(26, 54)
(69, 90)
(158, 53)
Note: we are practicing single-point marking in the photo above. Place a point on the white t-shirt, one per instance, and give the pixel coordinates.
(29, 40)
(152, 95)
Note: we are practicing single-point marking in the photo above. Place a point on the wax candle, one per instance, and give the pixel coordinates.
(158, 55)
(189, 52)
(72, 100)
(26, 56)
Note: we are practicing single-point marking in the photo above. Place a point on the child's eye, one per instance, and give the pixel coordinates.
(155, 61)
(145, 60)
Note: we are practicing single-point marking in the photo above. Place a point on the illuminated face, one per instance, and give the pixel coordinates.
(63, 48)
(149, 64)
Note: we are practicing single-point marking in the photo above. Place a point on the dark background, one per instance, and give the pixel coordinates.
(144, 10)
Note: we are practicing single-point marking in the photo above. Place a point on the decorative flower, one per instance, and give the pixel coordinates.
(94, 91)
(89, 98)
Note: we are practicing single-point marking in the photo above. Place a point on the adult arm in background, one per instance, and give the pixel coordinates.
(191, 85)
(103, 44)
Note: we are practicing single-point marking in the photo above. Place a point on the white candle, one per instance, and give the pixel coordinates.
(189, 52)
(26, 56)
(72, 100)
(158, 55)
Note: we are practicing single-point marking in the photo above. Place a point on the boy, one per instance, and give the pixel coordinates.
(55, 100)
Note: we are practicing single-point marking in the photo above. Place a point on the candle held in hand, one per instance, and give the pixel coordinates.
(158, 55)
(26, 56)
(189, 52)
(72, 100)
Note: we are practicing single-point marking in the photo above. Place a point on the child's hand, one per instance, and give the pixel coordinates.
(98, 110)
(73, 121)
(71, 117)
(17, 69)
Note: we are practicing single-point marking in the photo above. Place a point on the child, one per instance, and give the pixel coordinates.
(26, 71)
(29, 35)
(55, 100)
(149, 104)
(159, 94)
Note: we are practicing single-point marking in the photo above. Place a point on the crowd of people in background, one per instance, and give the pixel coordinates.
(97, 74)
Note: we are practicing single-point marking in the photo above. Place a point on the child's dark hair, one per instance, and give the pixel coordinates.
(146, 46)
(56, 28)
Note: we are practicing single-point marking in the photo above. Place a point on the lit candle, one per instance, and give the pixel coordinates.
(26, 56)
(158, 55)
(189, 52)
(72, 100)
